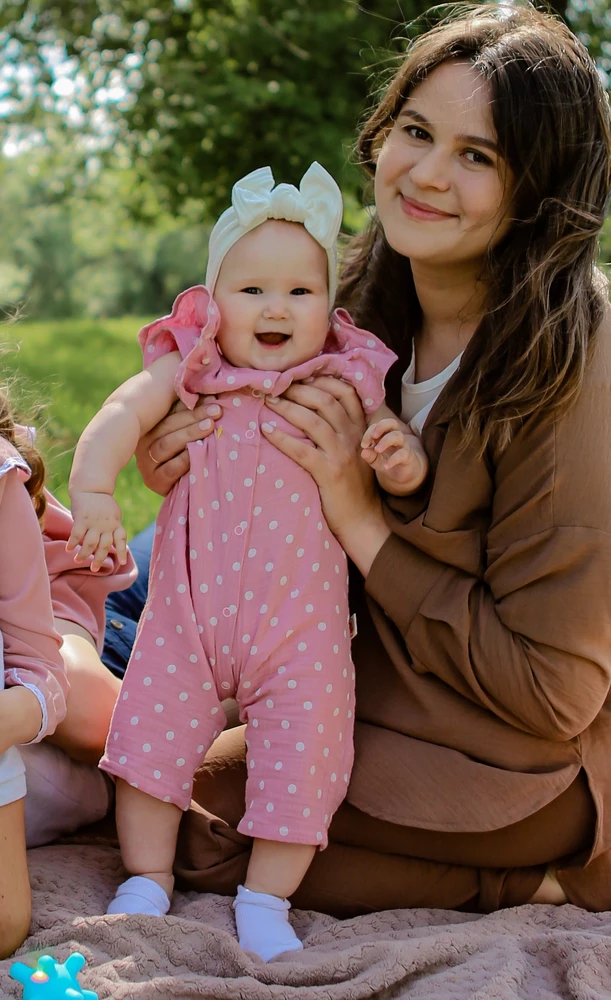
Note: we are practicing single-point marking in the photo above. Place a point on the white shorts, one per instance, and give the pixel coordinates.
(12, 776)
(12, 768)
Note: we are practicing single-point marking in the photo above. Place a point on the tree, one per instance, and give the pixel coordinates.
(197, 94)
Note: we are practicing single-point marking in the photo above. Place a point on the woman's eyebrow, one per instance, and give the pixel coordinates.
(475, 140)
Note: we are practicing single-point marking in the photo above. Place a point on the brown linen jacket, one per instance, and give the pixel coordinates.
(483, 654)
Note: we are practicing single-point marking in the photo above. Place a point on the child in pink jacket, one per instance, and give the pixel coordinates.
(33, 684)
(41, 591)
(248, 593)
(33, 679)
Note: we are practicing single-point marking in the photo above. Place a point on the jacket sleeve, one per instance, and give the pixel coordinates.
(77, 594)
(530, 638)
(31, 644)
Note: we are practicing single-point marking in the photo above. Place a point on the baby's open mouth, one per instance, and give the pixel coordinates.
(272, 339)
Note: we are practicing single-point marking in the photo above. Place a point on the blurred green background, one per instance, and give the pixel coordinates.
(125, 126)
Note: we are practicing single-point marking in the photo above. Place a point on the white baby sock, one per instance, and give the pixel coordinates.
(263, 924)
(140, 895)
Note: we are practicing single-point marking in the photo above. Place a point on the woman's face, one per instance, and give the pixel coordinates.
(442, 189)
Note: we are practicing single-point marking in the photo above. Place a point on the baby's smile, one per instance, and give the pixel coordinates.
(272, 339)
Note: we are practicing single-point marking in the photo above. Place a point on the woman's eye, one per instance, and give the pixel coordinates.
(300, 291)
(474, 156)
(416, 132)
(251, 290)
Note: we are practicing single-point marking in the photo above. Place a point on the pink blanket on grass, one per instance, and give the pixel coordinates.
(530, 952)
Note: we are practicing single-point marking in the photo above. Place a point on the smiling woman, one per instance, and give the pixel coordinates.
(453, 198)
(483, 654)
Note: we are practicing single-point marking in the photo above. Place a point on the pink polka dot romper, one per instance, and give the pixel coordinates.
(248, 596)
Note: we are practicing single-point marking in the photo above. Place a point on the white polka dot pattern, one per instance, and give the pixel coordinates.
(251, 617)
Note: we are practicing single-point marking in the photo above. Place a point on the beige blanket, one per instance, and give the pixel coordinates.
(531, 952)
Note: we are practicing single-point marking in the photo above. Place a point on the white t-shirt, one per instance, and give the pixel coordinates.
(418, 398)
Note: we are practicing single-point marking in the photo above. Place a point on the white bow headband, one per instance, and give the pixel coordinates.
(254, 199)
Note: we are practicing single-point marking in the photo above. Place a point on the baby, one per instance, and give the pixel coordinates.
(248, 590)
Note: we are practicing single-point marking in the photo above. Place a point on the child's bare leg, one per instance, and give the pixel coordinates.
(91, 698)
(261, 908)
(147, 830)
(15, 896)
(278, 868)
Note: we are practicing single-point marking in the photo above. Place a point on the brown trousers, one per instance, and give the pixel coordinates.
(373, 865)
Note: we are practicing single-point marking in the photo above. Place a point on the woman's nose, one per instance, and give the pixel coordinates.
(432, 170)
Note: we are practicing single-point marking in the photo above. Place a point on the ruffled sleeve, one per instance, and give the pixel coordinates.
(354, 355)
(190, 329)
(31, 645)
(358, 357)
(11, 459)
(77, 594)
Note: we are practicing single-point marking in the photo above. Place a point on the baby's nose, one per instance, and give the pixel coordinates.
(275, 308)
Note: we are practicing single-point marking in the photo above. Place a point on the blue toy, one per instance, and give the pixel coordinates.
(52, 981)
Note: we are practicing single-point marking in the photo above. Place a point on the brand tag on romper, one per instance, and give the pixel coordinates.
(352, 626)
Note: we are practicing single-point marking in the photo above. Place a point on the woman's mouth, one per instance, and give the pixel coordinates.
(426, 213)
(272, 339)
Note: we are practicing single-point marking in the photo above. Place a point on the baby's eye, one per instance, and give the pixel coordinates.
(251, 290)
(300, 291)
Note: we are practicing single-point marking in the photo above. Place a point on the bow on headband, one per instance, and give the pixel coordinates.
(317, 204)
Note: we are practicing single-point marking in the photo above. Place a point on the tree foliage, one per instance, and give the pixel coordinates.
(82, 252)
(137, 117)
(196, 94)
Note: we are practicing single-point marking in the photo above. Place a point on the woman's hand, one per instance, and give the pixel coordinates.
(329, 412)
(162, 455)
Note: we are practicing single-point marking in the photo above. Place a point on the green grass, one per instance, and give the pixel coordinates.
(64, 370)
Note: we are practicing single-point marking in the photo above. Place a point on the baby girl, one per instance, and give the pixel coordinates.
(248, 593)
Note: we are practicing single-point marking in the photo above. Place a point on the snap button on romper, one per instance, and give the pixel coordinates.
(248, 596)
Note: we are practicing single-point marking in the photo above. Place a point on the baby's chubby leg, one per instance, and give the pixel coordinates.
(147, 829)
(278, 868)
(261, 907)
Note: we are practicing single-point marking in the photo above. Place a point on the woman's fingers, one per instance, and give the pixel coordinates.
(178, 429)
(342, 392)
(339, 413)
(319, 426)
(161, 478)
(161, 454)
(296, 448)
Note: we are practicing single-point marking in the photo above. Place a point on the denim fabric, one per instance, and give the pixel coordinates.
(124, 607)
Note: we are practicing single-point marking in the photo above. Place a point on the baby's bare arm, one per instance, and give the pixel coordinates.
(109, 440)
(395, 453)
(105, 447)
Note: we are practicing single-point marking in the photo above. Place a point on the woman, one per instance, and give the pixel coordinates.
(483, 654)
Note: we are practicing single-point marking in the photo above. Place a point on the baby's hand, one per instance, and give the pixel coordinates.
(396, 455)
(97, 527)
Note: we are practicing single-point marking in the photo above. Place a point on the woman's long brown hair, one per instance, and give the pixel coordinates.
(545, 297)
(19, 440)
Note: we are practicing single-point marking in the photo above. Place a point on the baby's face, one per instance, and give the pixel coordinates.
(273, 297)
